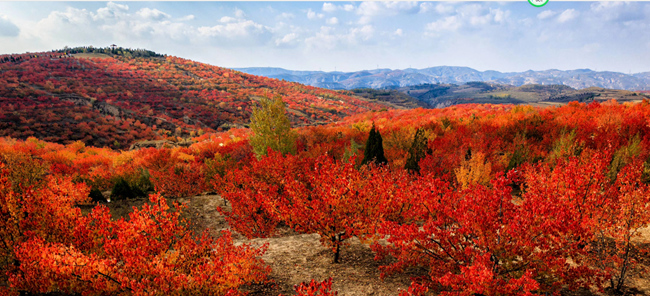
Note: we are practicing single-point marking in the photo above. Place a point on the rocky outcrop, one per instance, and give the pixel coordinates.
(107, 109)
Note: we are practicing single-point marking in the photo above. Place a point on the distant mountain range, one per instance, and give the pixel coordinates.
(387, 78)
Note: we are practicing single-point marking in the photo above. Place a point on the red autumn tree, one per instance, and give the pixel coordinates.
(465, 240)
(320, 195)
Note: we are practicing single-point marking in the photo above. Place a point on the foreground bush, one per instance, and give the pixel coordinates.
(571, 228)
(49, 246)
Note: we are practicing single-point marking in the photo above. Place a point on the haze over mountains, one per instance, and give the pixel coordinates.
(387, 78)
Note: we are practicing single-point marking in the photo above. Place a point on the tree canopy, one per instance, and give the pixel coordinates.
(374, 148)
(271, 128)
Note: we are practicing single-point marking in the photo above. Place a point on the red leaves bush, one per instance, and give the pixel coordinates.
(566, 198)
(315, 288)
(48, 246)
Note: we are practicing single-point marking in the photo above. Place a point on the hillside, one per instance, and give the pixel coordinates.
(559, 182)
(443, 95)
(391, 96)
(383, 78)
(114, 97)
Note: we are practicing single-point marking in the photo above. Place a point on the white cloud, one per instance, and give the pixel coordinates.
(449, 23)
(7, 28)
(288, 39)
(322, 39)
(369, 10)
(239, 13)
(286, 16)
(313, 15)
(72, 16)
(111, 11)
(228, 19)
(70, 25)
(567, 15)
(186, 18)
(444, 9)
(329, 7)
(491, 17)
(398, 32)
(468, 17)
(619, 11)
(439, 8)
(546, 14)
(327, 38)
(363, 33)
(348, 7)
(240, 28)
(499, 16)
(116, 23)
(152, 14)
(408, 7)
(332, 21)
(326, 30)
(427, 7)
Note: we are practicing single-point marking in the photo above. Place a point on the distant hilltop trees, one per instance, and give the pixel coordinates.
(19, 58)
(112, 50)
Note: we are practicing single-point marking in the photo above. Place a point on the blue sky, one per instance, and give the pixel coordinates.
(347, 36)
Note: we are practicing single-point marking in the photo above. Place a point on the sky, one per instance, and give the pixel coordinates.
(347, 36)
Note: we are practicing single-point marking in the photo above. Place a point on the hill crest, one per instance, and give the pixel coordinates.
(126, 95)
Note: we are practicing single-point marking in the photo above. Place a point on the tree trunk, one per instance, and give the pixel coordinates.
(337, 253)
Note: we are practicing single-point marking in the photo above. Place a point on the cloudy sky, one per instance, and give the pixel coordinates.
(347, 36)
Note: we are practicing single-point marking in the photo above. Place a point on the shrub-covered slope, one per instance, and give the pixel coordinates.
(116, 97)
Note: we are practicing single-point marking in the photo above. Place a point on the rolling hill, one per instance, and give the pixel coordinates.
(443, 95)
(114, 97)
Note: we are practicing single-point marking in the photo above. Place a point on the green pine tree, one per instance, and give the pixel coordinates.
(417, 151)
(374, 148)
(271, 128)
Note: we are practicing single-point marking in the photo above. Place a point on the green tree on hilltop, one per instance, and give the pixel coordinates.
(271, 128)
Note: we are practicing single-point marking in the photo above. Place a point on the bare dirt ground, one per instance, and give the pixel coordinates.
(296, 258)
(91, 55)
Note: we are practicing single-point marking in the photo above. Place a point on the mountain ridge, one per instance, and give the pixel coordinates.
(388, 78)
